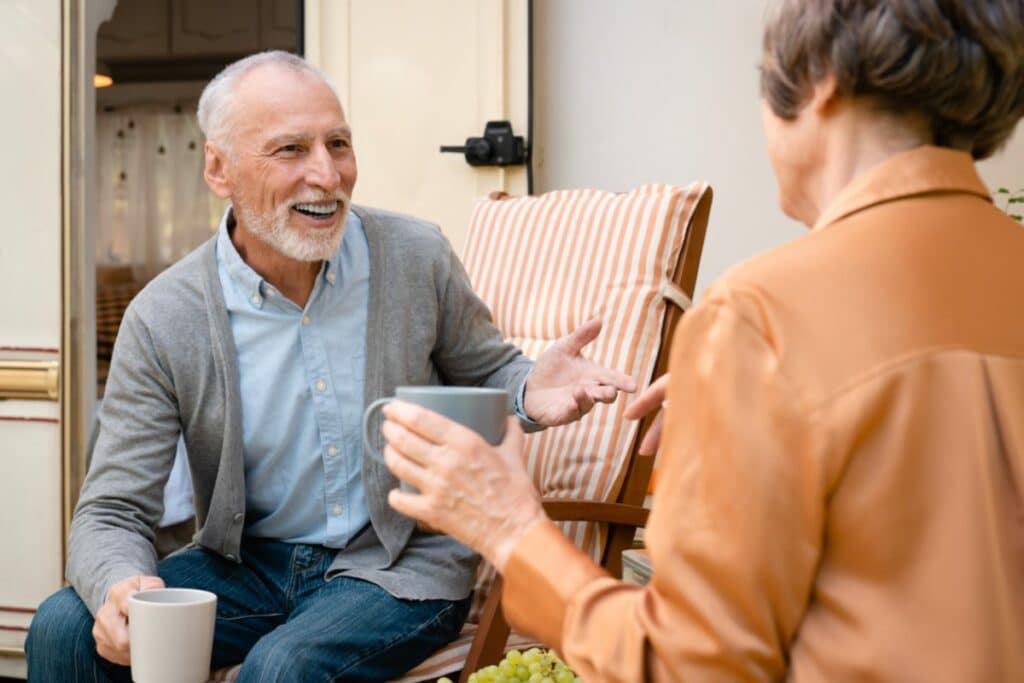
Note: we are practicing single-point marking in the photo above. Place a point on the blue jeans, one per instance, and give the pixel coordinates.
(275, 613)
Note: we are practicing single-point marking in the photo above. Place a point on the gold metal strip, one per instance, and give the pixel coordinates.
(33, 380)
(10, 651)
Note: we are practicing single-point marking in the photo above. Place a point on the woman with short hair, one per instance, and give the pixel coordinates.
(841, 485)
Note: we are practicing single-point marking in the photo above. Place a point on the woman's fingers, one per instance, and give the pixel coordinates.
(651, 399)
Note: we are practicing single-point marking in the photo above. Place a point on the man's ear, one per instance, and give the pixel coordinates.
(216, 171)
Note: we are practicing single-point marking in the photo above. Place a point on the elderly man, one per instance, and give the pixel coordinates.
(262, 347)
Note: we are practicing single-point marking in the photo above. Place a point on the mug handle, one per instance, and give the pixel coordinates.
(370, 410)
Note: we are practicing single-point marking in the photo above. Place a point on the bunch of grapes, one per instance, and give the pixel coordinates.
(533, 666)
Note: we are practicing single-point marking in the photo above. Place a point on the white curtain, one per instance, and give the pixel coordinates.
(153, 205)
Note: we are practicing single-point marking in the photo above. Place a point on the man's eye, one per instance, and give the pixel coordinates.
(339, 143)
(289, 149)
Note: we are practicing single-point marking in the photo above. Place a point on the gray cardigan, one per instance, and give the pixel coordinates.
(174, 371)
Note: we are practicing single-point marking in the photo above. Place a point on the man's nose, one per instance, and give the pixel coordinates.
(321, 171)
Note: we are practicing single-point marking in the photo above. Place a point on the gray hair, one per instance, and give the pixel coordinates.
(215, 110)
(957, 63)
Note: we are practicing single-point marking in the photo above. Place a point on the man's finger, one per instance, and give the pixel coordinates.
(584, 402)
(602, 393)
(619, 380)
(147, 583)
(650, 399)
(582, 335)
(110, 631)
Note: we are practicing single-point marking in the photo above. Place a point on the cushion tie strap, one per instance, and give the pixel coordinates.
(672, 292)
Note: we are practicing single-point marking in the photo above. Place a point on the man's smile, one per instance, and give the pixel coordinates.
(318, 211)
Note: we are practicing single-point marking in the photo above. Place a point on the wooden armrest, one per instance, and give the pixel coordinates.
(593, 511)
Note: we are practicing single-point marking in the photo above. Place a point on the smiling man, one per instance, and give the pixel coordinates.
(262, 347)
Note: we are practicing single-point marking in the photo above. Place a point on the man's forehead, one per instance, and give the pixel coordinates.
(274, 101)
(274, 88)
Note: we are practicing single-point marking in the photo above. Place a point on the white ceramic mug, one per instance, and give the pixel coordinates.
(170, 631)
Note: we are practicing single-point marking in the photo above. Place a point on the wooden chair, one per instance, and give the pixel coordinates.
(544, 265)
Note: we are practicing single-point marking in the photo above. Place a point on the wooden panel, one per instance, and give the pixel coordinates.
(203, 28)
(139, 28)
(277, 24)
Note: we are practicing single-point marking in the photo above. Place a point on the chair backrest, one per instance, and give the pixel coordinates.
(546, 264)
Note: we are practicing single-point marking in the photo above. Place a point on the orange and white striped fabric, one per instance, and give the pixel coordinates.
(547, 264)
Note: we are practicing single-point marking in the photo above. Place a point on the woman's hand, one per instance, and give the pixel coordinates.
(651, 399)
(478, 493)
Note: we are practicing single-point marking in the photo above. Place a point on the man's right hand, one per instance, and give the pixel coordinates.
(111, 628)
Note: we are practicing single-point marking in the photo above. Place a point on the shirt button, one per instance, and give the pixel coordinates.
(337, 509)
(305, 320)
(231, 557)
(257, 300)
(238, 517)
(270, 292)
(330, 277)
(332, 451)
(321, 385)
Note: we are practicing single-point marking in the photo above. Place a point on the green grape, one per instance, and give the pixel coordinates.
(532, 666)
(445, 680)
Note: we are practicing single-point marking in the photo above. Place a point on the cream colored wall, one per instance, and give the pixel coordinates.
(30, 310)
(30, 45)
(662, 90)
(414, 76)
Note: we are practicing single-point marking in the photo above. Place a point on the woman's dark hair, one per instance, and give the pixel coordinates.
(959, 63)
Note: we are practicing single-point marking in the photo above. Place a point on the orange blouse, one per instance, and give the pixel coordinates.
(842, 471)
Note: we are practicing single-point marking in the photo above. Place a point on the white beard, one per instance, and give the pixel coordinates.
(273, 230)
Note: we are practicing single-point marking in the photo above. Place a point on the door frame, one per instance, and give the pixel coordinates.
(80, 20)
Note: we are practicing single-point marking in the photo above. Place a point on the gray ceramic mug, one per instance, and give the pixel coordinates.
(483, 410)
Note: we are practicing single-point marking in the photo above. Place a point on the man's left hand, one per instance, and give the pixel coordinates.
(564, 385)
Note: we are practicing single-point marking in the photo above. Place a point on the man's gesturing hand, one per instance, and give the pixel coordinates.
(564, 385)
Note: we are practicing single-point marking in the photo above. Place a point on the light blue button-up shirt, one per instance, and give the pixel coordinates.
(301, 376)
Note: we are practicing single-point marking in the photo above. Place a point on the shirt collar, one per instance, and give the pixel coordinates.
(254, 286)
(922, 170)
(247, 278)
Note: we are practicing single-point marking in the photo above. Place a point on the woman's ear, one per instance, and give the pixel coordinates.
(216, 170)
(826, 90)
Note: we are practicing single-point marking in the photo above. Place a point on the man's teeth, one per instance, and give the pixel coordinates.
(319, 209)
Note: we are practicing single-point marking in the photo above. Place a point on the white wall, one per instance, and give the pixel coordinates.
(30, 312)
(662, 90)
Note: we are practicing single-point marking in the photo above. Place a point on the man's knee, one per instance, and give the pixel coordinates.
(61, 628)
(281, 661)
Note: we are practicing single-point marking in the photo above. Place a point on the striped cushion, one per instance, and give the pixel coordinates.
(545, 265)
